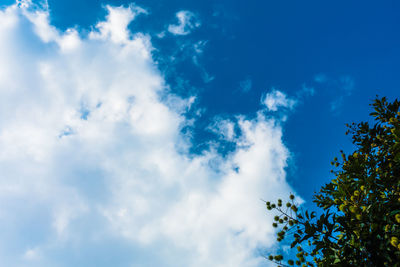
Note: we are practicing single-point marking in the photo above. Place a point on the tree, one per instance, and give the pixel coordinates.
(358, 223)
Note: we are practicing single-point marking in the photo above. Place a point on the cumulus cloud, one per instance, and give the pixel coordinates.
(95, 169)
(187, 21)
(115, 27)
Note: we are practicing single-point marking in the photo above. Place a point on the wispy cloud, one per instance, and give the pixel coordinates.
(341, 88)
(246, 85)
(320, 78)
(198, 48)
(122, 184)
(187, 21)
(276, 99)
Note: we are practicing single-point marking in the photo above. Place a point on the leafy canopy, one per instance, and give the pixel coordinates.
(359, 220)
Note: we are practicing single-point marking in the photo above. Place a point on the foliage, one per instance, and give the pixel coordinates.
(359, 220)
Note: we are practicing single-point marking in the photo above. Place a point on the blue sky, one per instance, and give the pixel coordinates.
(276, 44)
(145, 133)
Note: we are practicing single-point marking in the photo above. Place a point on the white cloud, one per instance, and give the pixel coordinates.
(115, 27)
(187, 21)
(90, 153)
(276, 99)
(224, 128)
(32, 254)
